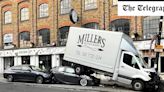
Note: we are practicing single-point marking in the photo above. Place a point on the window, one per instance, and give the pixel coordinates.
(8, 39)
(150, 26)
(8, 17)
(61, 69)
(16, 68)
(91, 25)
(25, 59)
(130, 60)
(43, 10)
(65, 6)
(26, 68)
(122, 25)
(43, 37)
(70, 70)
(63, 34)
(114, 2)
(90, 4)
(25, 36)
(24, 14)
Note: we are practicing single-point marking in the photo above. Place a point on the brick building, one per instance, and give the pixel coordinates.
(42, 22)
(29, 28)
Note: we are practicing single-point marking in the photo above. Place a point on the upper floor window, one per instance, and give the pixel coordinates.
(91, 25)
(8, 17)
(65, 6)
(25, 36)
(24, 14)
(63, 35)
(150, 26)
(121, 25)
(90, 4)
(24, 39)
(43, 10)
(114, 2)
(43, 37)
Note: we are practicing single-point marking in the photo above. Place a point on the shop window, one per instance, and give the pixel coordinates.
(8, 62)
(63, 35)
(121, 25)
(24, 39)
(43, 10)
(91, 25)
(7, 17)
(25, 59)
(65, 6)
(90, 4)
(45, 62)
(24, 14)
(43, 37)
(150, 27)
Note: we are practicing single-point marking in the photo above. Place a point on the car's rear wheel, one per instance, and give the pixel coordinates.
(39, 80)
(83, 82)
(10, 78)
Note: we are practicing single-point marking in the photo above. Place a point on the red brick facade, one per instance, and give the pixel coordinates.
(55, 20)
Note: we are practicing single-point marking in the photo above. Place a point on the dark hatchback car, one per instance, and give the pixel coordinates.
(26, 73)
(66, 75)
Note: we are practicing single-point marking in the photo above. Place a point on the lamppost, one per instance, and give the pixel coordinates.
(159, 40)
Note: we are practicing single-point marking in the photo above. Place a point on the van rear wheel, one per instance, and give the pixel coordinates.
(138, 85)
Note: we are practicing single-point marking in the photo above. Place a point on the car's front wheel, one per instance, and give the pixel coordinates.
(39, 80)
(83, 82)
(10, 78)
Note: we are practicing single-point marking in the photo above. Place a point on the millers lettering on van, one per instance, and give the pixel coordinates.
(91, 39)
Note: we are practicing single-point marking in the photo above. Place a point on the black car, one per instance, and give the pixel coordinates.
(26, 73)
(65, 74)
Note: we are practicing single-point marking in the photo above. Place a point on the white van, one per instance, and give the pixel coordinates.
(111, 53)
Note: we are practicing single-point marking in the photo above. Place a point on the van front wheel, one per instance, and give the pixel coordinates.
(138, 85)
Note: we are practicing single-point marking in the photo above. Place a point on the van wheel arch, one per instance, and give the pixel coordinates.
(138, 84)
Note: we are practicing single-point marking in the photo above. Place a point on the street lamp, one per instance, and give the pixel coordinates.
(159, 40)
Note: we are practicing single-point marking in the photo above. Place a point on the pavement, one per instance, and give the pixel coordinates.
(100, 88)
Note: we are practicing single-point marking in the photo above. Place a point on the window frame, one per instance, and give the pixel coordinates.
(7, 17)
(43, 10)
(65, 6)
(24, 14)
(45, 39)
(150, 26)
(90, 4)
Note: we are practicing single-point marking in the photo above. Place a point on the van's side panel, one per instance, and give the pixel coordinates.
(93, 48)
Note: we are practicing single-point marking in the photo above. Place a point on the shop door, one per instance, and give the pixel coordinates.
(8, 62)
(45, 62)
(162, 64)
(25, 60)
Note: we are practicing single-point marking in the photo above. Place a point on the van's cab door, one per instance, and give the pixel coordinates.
(128, 67)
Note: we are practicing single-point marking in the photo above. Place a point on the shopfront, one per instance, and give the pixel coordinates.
(150, 55)
(48, 57)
